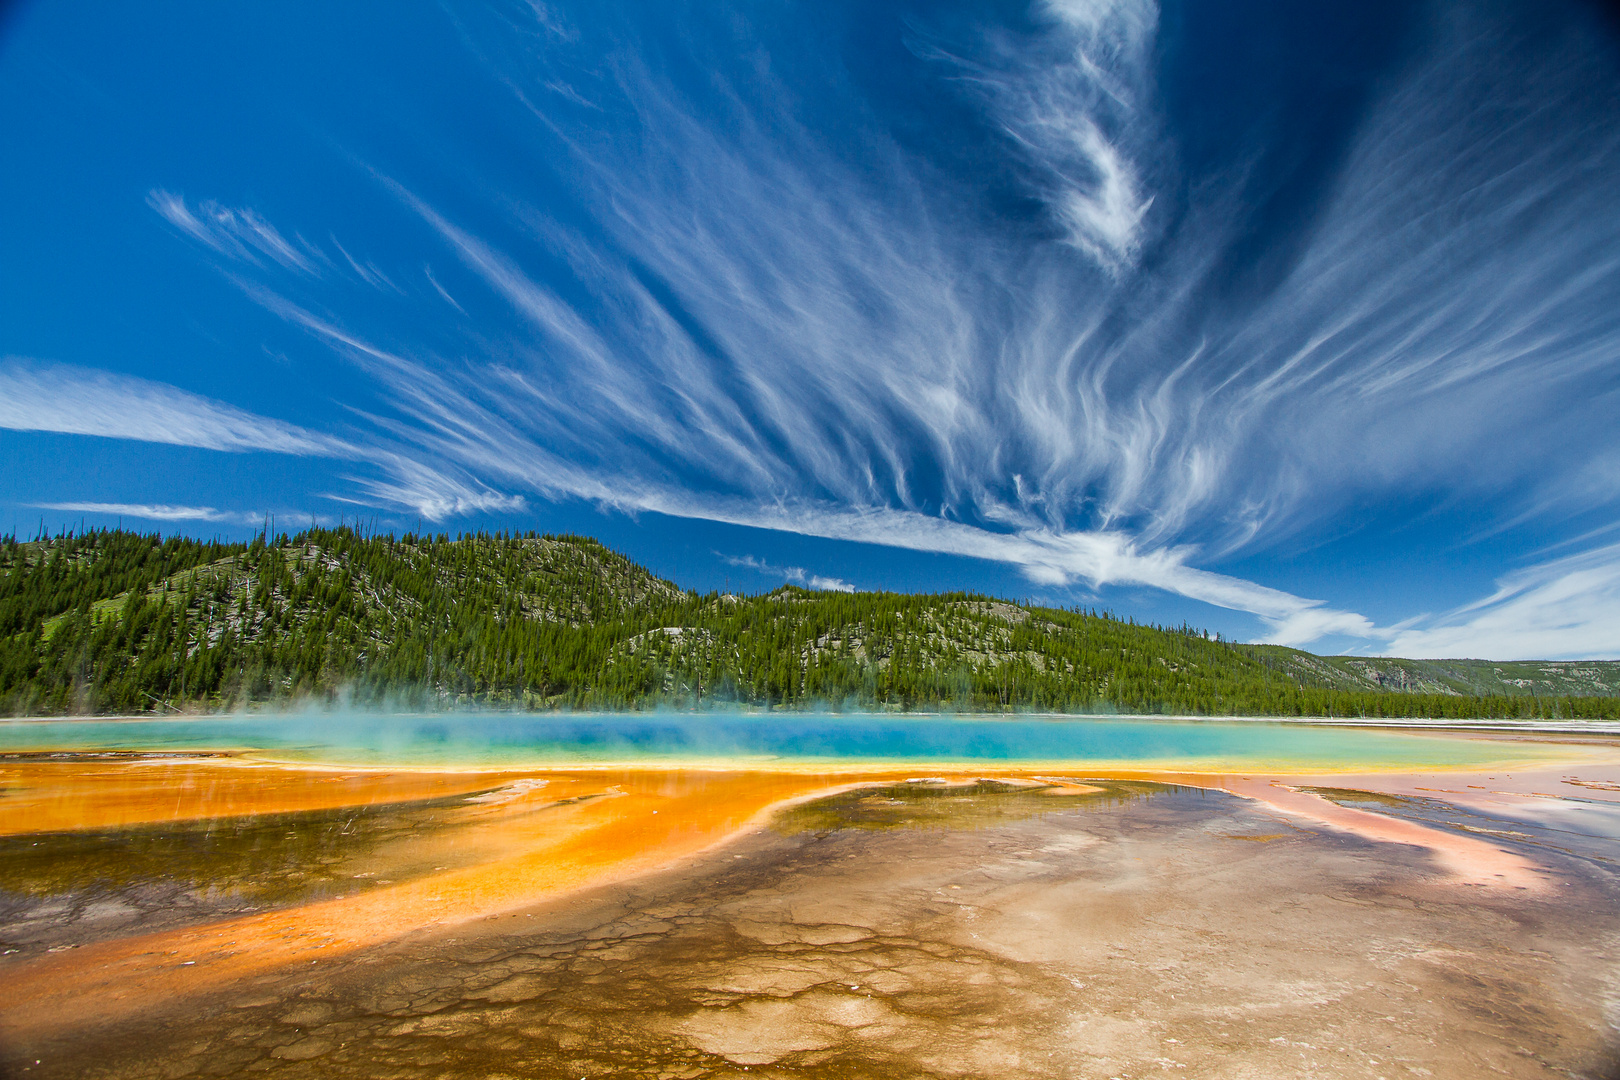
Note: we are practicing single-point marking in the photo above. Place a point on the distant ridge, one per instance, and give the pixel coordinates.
(1540, 678)
(114, 621)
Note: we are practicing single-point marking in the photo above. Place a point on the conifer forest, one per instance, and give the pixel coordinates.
(118, 622)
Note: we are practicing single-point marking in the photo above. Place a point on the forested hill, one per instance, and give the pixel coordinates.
(118, 622)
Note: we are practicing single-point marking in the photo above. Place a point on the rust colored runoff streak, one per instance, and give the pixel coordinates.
(1467, 860)
(60, 796)
(578, 829)
(536, 836)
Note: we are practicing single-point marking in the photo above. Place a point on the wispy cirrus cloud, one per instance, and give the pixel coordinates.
(243, 235)
(155, 512)
(482, 429)
(1075, 105)
(1567, 608)
(1050, 558)
(845, 346)
(370, 272)
(238, 233)
(70, 400)
(796, 574)
(434, 493)
(39, 396)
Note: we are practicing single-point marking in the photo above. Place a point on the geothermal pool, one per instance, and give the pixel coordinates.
(676, 895)
(507, 740)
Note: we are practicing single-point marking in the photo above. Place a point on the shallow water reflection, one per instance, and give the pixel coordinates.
(274, 858)
(1576, 827)
(73, 887)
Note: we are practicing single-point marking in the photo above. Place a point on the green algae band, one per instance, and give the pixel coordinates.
(507, 740)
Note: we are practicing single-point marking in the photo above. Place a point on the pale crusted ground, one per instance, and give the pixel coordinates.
(1157, 932)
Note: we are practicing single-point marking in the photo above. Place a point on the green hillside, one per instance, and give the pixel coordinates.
(117, 622)
(1534, 678)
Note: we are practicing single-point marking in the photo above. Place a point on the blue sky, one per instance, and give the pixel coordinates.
(1297, 322)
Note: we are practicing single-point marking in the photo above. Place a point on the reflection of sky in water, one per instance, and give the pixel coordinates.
(1569, 815)
(1569, 824)
(513, 739)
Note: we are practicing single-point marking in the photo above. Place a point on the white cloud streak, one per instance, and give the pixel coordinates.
(824, 584)
(433, 493)
(155, 512)
(1568, 608)
(1098, 559)
(796, 574)
(238, 233)
(427, 271)
(38, 396)
(1075, 108)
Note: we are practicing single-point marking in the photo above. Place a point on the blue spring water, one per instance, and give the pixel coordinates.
(515, 739)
